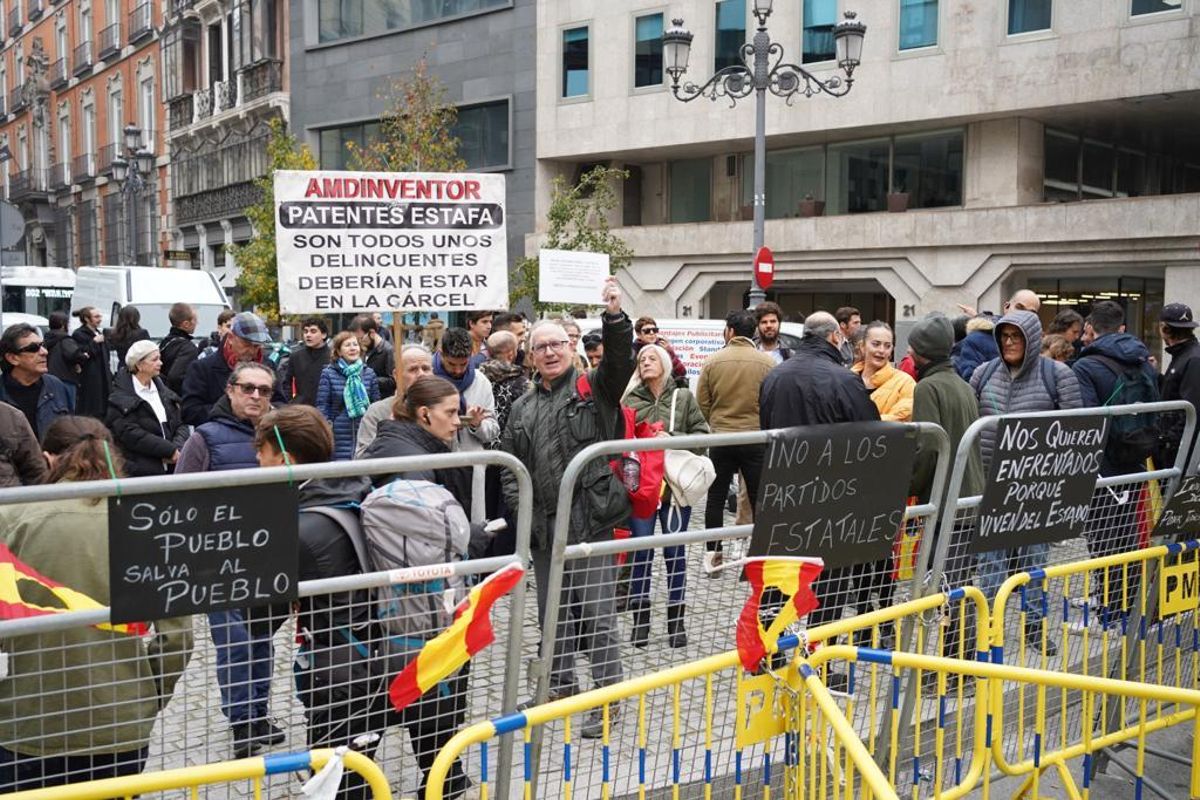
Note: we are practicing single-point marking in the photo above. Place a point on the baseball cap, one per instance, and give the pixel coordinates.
(1177, 315)
(249, 327)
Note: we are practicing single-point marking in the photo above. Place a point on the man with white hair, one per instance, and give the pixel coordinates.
(565, 412)
(414, 362)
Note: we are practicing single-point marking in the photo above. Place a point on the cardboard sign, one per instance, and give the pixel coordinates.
(390, 241)
(1179, 588)
(1040, 483)
(1181, 517)
(834, 492)
(204, 550)
(568, 276)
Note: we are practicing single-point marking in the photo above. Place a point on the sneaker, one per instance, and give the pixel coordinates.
(712, 563)
(267, 732)
(245, 743)
(593, 723)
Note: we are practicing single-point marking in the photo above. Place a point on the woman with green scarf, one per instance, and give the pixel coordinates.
(346, 388)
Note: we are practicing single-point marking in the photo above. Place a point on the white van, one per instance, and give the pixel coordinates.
(694, 340)
(15, 318)
(36, 290)
(153, 290)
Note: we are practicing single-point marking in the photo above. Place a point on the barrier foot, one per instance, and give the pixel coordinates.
(1148, 783)
(1068, 781)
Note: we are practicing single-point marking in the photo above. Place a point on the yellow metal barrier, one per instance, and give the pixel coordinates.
(1110, 625)
(193, 778)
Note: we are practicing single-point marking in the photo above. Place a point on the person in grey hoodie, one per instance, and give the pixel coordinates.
(1019, 381)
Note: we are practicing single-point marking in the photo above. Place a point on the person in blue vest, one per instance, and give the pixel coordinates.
(244, 654)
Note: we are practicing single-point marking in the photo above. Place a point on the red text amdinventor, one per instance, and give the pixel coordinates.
(392, 189)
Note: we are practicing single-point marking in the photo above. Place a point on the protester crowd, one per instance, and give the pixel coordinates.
(93, 404)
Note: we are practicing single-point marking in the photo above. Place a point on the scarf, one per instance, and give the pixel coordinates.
(354, 394)
(462, 384)
(231, 358)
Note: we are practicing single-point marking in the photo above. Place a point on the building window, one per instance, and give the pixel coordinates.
(731, 33)
(792, 175)
(341, 19)
(181, 59)
(85, 217)
(929, 167)
(482, 132)
(648, 52)
(819, 18)
(575, 62)
(691, 190)
(1025, 16)
(114, 228)
(254, 30)
(335, 143)
(1154, 6)
(918, 23)
(857, 177)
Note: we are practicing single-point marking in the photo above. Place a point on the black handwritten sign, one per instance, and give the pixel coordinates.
(834, 492)
(1181, 517)
(190, 552)
(1040, 482)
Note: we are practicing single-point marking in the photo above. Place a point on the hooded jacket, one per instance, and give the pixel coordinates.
(1100, 384)
(978, 346)
(1032, 386)
(402, 438)
(381, 358)
(144, 442)
(1181, 381)
(814, 388)
(893, 392)
(331, 403)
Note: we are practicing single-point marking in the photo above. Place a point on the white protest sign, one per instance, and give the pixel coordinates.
(390, 241)
(569, 276)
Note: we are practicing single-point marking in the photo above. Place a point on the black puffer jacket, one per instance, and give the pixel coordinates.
(178, 350)
(813, 388)
(135, 427)
(1181, 381)
(401, 438)
(63, 359)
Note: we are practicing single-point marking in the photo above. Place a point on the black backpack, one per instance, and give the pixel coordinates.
(1132, 438)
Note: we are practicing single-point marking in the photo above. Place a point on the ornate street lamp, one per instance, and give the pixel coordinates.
(762, 68)
(131, 170)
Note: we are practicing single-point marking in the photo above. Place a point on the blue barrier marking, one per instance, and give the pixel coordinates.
(641, 765)
(510, 723)
(1174, 548)
(529, 762)
(851, 683)
(988, 730)
(957, 594)
(997, 654)
(567, 762)
(916, 770)
(483, 765)
(1036, 574)
(285, 762)
(1037, 750)
(957, 769)
(1087, 770)
(675, 766)
(767, 769)
(1137, 788)
(737, 768)
(708, 766)
(942, 711)
(604, 763)
(806, 671)
(895, 692)
(874, 656)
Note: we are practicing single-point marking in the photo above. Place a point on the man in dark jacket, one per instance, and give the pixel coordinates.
(63, 362)
(814, 388)
(21, 459)
(178, 348)
(769, 315)
(1181, 381)
(546, 428)
(376, 352)
(207, 377)
(26, 384)
(300, 373)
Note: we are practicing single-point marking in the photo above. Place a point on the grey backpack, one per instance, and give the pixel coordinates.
(410, 524)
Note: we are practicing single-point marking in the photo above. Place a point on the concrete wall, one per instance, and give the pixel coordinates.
(488, 56)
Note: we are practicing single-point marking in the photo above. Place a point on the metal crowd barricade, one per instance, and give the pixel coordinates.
(193, 778)
(312, 690)
(584, 569)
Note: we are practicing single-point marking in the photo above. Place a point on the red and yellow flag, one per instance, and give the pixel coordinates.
(453, 647)
(12, 606)
(790, 577)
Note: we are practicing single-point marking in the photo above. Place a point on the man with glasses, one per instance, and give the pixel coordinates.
(26, 385)
(243, 643)
(565, 412)
(207, 377)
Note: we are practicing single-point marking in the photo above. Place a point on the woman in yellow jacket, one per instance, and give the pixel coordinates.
(891, 390)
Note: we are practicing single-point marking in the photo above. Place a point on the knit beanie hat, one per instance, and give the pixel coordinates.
(932, 337)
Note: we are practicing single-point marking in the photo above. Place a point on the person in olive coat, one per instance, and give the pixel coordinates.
(143, 414)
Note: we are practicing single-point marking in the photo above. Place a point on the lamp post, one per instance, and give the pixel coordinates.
(130, 170)
(762, 68)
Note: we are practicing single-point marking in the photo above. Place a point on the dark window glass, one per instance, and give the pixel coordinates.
(930, 169)
(731, 32)
(1098, 160)
(1131, 174)
(575, 62)
(335, 152)
(691, 190)
(1061, 169)
(339, 19)
(482, 133)
(819, 18)
(1028, 15)
(858, 177)
(918, 23)
(648, 52)
(1155, 6)
(792, 175)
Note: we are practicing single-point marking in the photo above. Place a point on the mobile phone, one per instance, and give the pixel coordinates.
(464, 420)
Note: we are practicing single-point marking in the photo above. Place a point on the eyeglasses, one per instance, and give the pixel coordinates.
(649, 329)
(1011, 337)
(251, 389)
(550, 347)
(31, 348)
(574, 337)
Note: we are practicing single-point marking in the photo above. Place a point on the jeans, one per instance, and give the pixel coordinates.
(20, 773)
(244, 664)
(673, 520)
(995, 567)
(747, 458)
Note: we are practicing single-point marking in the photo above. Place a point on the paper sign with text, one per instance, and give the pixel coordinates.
(1040, 481)
(835, 492)
(1179, 588)
(202, 550)
(390, 241)
(571, 276)
(1180, 518)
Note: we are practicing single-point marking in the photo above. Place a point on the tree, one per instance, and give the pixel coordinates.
(578, 220)
(416, 132)
(259, 277)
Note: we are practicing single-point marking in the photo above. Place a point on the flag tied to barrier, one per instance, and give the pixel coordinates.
(449, 650)
(791, 579)
(13, 572)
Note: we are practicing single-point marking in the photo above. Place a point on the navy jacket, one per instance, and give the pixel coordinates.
(230, 440)
(977, 348)
(57, 400)
(205, 384)
(330, 402)
(1098, 380)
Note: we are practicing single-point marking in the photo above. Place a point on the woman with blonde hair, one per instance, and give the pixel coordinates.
(891, 390)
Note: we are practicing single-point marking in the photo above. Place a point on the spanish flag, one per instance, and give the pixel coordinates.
(12, 606)
(449, 650)
(792, 579)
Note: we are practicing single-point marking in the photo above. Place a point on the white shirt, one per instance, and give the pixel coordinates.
(150, 395)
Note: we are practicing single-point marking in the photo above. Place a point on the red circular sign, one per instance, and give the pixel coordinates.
(764, 267)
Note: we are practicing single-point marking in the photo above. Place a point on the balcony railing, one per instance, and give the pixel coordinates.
(203, 102)
(36, 9)
(141, 22)
(110, 41)
(259, 80)
(82, 61)
(180, 111)
(16, 101)
(60, 175)
(27, 184)
(58, 74)
(179, 6)
(3, 106)
(15, 22)
(104, 163)
(83, 168)
(224, 96)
